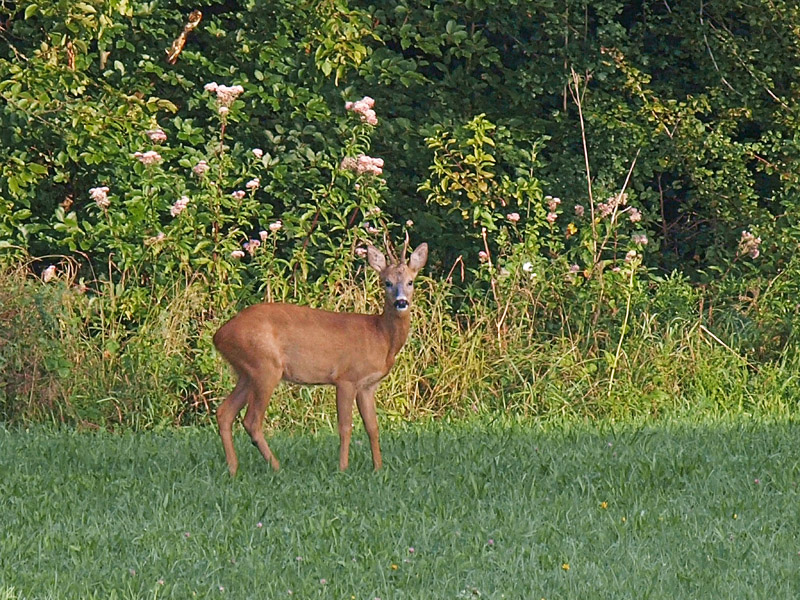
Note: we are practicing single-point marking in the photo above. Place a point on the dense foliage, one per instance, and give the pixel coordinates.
(579, 168)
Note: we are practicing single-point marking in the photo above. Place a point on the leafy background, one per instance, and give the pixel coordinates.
(686, 111)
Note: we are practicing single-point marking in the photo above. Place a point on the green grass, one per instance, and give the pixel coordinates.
(490, 511)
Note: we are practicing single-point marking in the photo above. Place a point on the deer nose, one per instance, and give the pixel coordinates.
(401, 304)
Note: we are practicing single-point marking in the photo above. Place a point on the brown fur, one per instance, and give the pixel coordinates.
(267, 343)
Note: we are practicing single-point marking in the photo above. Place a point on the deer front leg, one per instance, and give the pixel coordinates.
(345, 394)
(366, 406)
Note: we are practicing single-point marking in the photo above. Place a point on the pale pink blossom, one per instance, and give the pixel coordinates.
(574, 268)
(223, 111)
(200, 168)
(634, 215)
(179, 206)
(409, 223)
(363, 108)
(253, 183)
(252, 246)
(362, 164)
(239, 194)
(551, 217)
(749, 244)
(49, 273)
(639, 238)
(237, 254)
(263, 235)
(100, 196)
(552, 203)
(631, 256)
(156, 135)
(361, 252)
(513, 217)
(275, 226)
(225, 94)
(579, 211)
(483, 255)
(148, 158)
(258, 152)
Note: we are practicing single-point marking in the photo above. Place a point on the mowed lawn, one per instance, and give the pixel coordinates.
(459, 511)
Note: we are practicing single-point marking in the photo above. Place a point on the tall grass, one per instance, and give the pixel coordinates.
(533, 349)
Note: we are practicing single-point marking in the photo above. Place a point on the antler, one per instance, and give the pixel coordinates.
(405, 250)
(387, 243)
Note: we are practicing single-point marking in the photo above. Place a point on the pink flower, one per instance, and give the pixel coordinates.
(236, 254)
(630, 256)
(258, 152)
(579, 210)
(370, 118)
(239, 194)
(635, 216)
(552, 203)
(275, 226)
(253, 183)
(363, 108)
(513, 217)
(148, 158)
(574, 268)
(409, 223)
(551, 217)
(362, 164)
(100, 196)
(263, 235)
(223, 111)
(225, 94)
(179, 206)
(483, 255)
(49, 273)
(749, 244)
(156, 135)
(259, 524)
(252, 246)
(200, 168)
(639, 238)
(361, 252)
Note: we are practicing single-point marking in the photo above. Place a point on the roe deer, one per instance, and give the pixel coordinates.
(268, 342)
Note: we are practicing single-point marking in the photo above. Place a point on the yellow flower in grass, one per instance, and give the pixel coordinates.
(565, 566)
(604, 505)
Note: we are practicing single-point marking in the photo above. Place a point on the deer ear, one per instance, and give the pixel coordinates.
(376, 258)
(418, 258)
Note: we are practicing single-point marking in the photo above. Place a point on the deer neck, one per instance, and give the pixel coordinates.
(395, 326)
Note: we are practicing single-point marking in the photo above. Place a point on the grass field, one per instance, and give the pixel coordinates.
(459, 511)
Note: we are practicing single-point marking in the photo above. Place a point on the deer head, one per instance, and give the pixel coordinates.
(398, 277)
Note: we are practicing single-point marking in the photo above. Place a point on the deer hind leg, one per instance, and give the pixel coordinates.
(345, 394)
(263, 385)
(226, 415)
(366, 406)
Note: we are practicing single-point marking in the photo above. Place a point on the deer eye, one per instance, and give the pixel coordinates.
(387, 283)
(410, 283)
